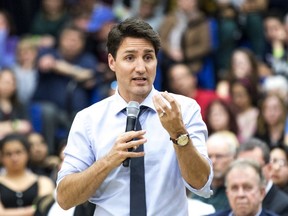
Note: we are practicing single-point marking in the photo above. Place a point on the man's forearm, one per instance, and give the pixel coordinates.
(77, 188)
(194, 168)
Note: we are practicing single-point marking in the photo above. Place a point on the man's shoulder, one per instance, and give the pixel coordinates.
(98, 106)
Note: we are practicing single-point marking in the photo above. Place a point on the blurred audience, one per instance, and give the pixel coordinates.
(271, 121)
(279, 170)
(40, 162)
(13, 115)
(185, 37)
(66, 77)
(245, 188)
(243, 65)
(244, 99)
(221, 147)
(276, 85)
(275, 199)
(25, 69)
(47, 205)
(18, 186)
(276, 52)
(8, 40)
(219, 116)
(183, 81)
(49, 20)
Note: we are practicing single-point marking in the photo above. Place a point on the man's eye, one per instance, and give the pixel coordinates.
(148, 57)
(129, 58)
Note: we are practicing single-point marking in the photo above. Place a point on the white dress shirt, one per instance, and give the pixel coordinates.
(92, 135)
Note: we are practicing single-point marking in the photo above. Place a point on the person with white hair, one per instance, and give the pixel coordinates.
(276, 84)
(221, 148)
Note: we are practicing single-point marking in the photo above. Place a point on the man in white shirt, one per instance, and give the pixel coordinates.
(173, 136)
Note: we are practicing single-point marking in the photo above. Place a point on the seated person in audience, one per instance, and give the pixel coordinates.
(25, 70)
(276, 52)
(244, 97)
(243, 65)
(219, 116)
(66, 76)
(185, 37)
(183, 81)
(276, 84)
(13, 115)
(275, 199)
(47, 205)
(8, 40)
(49, 20)
(279, 170)
(271, 120)
(40, 162)
(245, 188)
(18, 186)
(221, 147)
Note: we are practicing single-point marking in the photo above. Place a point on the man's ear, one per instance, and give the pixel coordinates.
(111, 62)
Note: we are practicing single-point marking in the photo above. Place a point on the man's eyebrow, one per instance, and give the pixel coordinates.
(135, 50)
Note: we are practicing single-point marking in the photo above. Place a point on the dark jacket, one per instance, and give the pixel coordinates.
(276, 201)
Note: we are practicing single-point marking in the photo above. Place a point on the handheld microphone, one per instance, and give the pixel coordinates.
(132, 110)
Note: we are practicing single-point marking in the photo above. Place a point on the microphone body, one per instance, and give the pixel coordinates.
(132, 113)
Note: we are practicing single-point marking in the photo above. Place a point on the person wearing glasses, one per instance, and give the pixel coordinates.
(275, 200)
(279, 168)
(245, 189)
(221, 148)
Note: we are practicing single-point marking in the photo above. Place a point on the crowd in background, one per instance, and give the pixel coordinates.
(231, 56)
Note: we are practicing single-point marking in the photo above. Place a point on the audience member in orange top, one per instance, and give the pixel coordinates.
(183, 81)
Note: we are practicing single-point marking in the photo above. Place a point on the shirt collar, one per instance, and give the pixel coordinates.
(120, 103)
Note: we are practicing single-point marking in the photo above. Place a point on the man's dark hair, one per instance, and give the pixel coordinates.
(253, 143)
(131, 27)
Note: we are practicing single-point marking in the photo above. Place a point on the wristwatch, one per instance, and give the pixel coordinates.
(181, 140)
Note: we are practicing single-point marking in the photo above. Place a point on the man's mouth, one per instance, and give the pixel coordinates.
(140, 79)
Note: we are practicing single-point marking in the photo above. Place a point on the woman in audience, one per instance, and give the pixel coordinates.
(271, 120)
(25, 69)
(185, 37)
(219, 117)
(18, 186)
(243, 64)
(244, 100)
(40, 161)
(13, 115)
(50, 19)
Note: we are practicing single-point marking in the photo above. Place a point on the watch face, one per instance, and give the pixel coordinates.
(183, 140)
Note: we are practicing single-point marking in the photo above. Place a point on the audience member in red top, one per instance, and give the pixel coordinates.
(183, 81)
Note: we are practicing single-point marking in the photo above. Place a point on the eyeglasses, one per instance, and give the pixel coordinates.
(279, 162)
(218, 156)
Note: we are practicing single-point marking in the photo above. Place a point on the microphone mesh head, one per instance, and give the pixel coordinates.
(133, 109)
